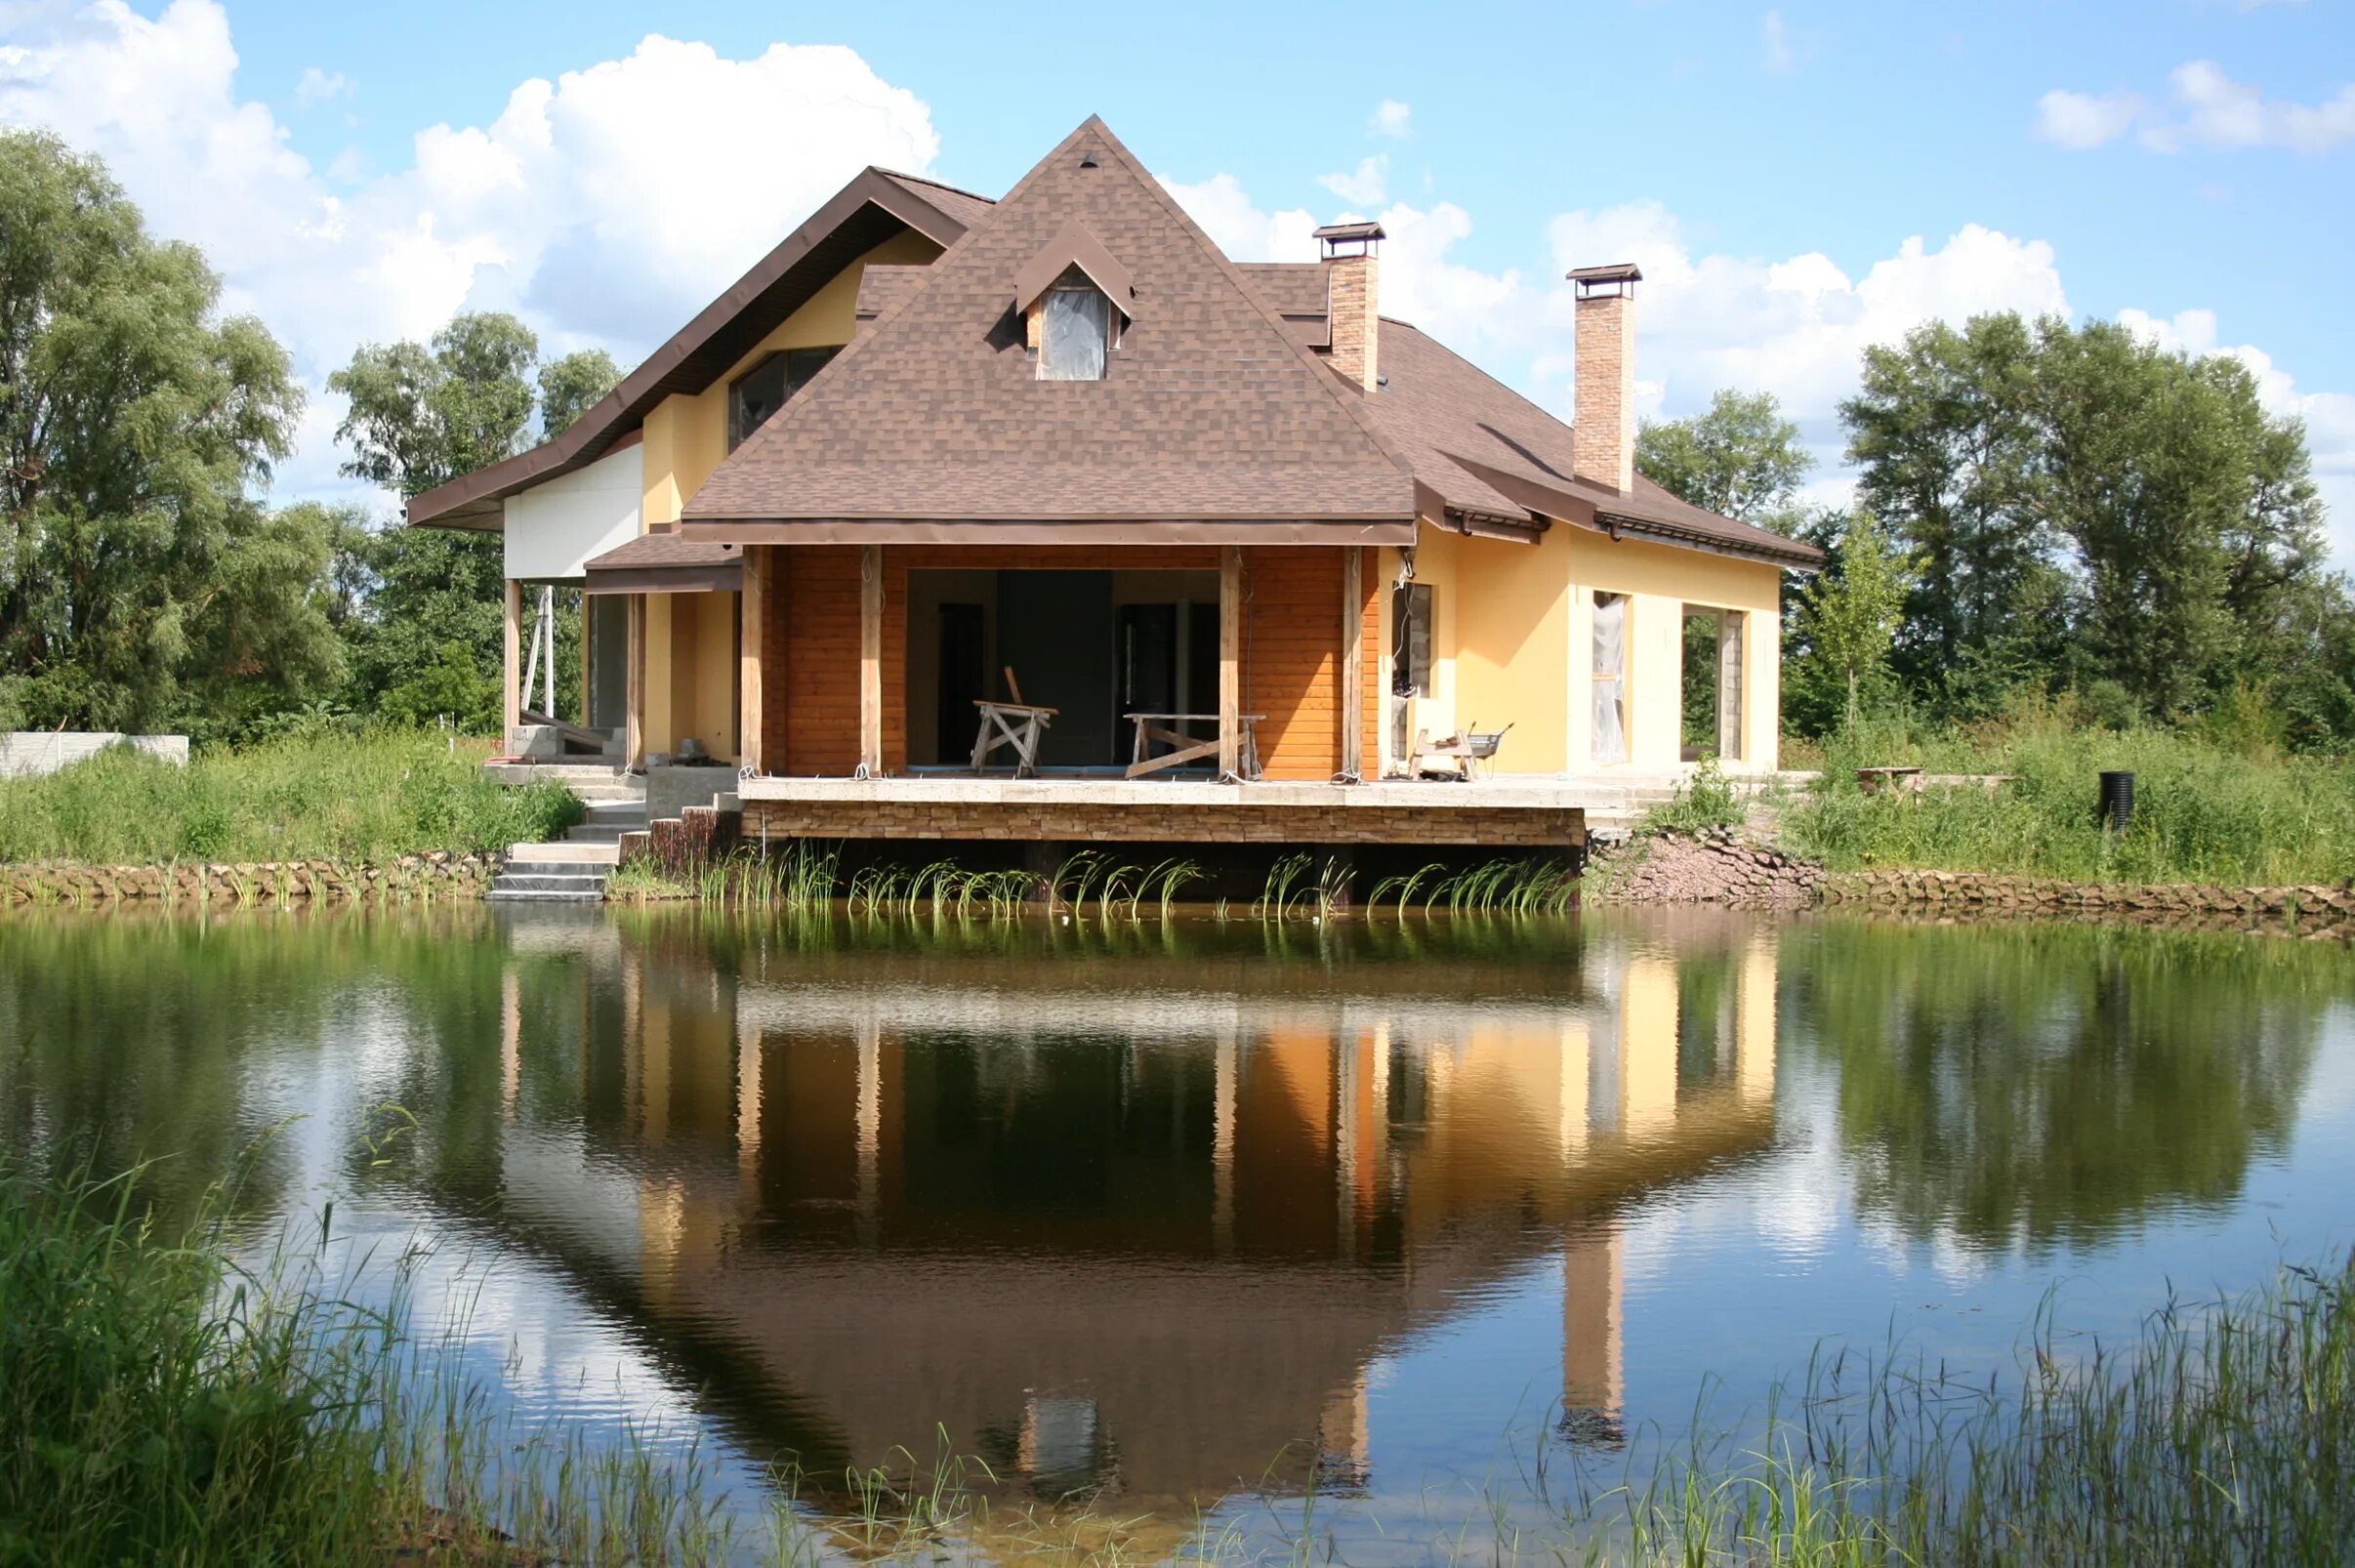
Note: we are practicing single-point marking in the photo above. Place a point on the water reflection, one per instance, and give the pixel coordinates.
(1150, 1208)
(1107, 1217)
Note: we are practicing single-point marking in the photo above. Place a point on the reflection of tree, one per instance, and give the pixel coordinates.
(131, 1038)
(2054, 1085)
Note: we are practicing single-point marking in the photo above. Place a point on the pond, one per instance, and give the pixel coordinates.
(1194, 1216)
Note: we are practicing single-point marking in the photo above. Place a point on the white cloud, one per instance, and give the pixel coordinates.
(1225, 212)
(1778, 57)
(2205, 109)
(1389, 118)
(1363, 188)
(607, 206)
(2079, 120)
(317, 86)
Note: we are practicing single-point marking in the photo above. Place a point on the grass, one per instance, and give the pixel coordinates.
(160, 1403)
(368, 798)
(2207, 811)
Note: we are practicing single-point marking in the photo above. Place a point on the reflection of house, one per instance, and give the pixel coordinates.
(1117, 1221)
(932, 436)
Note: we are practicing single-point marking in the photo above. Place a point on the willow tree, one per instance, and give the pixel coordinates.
(144, 584)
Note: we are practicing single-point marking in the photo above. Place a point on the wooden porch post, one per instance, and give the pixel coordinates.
(1352, 663)
(634, 745)
(1230, 661)
(752, 603)
(511, 689)
(870, 660)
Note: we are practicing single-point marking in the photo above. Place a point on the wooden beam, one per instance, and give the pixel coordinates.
(1353, 663)
(511, 656)
(751, 604)
(870, 660)
(587, 617)
(1230, 660)
(634, 746)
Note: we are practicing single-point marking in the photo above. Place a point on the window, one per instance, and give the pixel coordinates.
(764, 389)
(1610, 739)
(1075, 330)
(1411, 641)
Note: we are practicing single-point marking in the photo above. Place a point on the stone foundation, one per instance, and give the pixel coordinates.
(428, 876)
(1036, 820)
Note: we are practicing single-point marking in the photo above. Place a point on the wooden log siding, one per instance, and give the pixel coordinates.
(1295, 644)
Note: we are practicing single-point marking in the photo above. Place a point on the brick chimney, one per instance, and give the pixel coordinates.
(1603, 446)
(1351, 297)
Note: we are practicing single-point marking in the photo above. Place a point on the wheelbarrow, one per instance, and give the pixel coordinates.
(1468, 746)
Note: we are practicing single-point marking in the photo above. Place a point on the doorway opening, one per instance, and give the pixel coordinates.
(1711, 685)
(1095, 645)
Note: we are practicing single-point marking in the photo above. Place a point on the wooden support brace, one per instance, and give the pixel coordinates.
(751, 603)
(634, 747)
(1230, 660)
(870, 660)
(510, 680)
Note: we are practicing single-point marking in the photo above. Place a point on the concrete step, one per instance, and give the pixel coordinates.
(619, 808)
(535, 881)
(594, 853)
(603, 832)
(502, 895)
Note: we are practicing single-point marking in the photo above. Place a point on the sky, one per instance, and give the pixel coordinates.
(1796, 181)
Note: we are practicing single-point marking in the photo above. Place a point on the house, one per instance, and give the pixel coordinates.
(932, 444)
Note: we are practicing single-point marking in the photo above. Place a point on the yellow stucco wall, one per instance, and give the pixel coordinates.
(1513, 642)
(690, 638)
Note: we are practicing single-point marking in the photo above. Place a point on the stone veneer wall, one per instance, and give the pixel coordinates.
(438, 875)
(1985, 892)
(1502, 827)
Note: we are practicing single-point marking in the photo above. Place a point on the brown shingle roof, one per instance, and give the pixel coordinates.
(665, 561)
(1484, 449)
(1211, 411)
(873, 207)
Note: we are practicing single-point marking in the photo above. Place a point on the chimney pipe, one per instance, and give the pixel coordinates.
(1602, 444)
(1353, 298)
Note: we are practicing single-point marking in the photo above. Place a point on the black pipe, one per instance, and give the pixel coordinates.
(2117, 801)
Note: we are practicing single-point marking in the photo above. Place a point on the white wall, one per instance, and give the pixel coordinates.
(554, 528)
(40, 751)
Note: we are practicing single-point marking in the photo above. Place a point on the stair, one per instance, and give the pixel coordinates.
(572, 871)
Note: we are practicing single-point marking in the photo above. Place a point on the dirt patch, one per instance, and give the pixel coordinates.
(1710, 868)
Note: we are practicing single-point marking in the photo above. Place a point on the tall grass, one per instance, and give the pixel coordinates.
(370, 796)
(159, 1403)
(2205, 812)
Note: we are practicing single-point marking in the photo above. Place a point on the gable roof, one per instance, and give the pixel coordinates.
(873, 207)
(1211, 415)
(1075, 246)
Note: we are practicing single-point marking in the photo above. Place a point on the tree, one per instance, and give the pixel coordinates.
(571, 386)
(1741, 459)
(141, 582)
(421, 415)
(1945, 433)
(1847, 624)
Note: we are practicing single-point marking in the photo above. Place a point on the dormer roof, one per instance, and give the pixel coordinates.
(1075, 246)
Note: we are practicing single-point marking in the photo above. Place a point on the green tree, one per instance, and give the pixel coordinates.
(1741, 459)
(142, 584)
(1945, 430)
(1845, 626)
(571, 386)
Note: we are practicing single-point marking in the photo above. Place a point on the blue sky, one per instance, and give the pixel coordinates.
(1797, 180)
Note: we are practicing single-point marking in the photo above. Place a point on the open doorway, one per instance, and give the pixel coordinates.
(1711, 685)
(1094, 645)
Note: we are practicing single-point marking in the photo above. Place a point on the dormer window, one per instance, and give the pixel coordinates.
(1075, 330)
(767, 385)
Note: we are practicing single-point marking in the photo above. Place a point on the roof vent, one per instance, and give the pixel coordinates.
(1620, 277)
(1349, 239)
(1087, 160)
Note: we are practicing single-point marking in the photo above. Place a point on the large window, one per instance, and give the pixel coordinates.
(1075, 331)
(765, 388)
(1610, 743)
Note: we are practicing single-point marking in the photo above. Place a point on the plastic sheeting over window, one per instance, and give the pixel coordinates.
(1610, 677)
(1075, 334)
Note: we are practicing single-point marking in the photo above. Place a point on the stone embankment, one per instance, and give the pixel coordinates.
(440, 875)
(1714, 868)
(1722, 868)
(2311, 910)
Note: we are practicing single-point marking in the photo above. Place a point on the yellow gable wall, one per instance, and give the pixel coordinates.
(692, 661)
(1513, 642)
